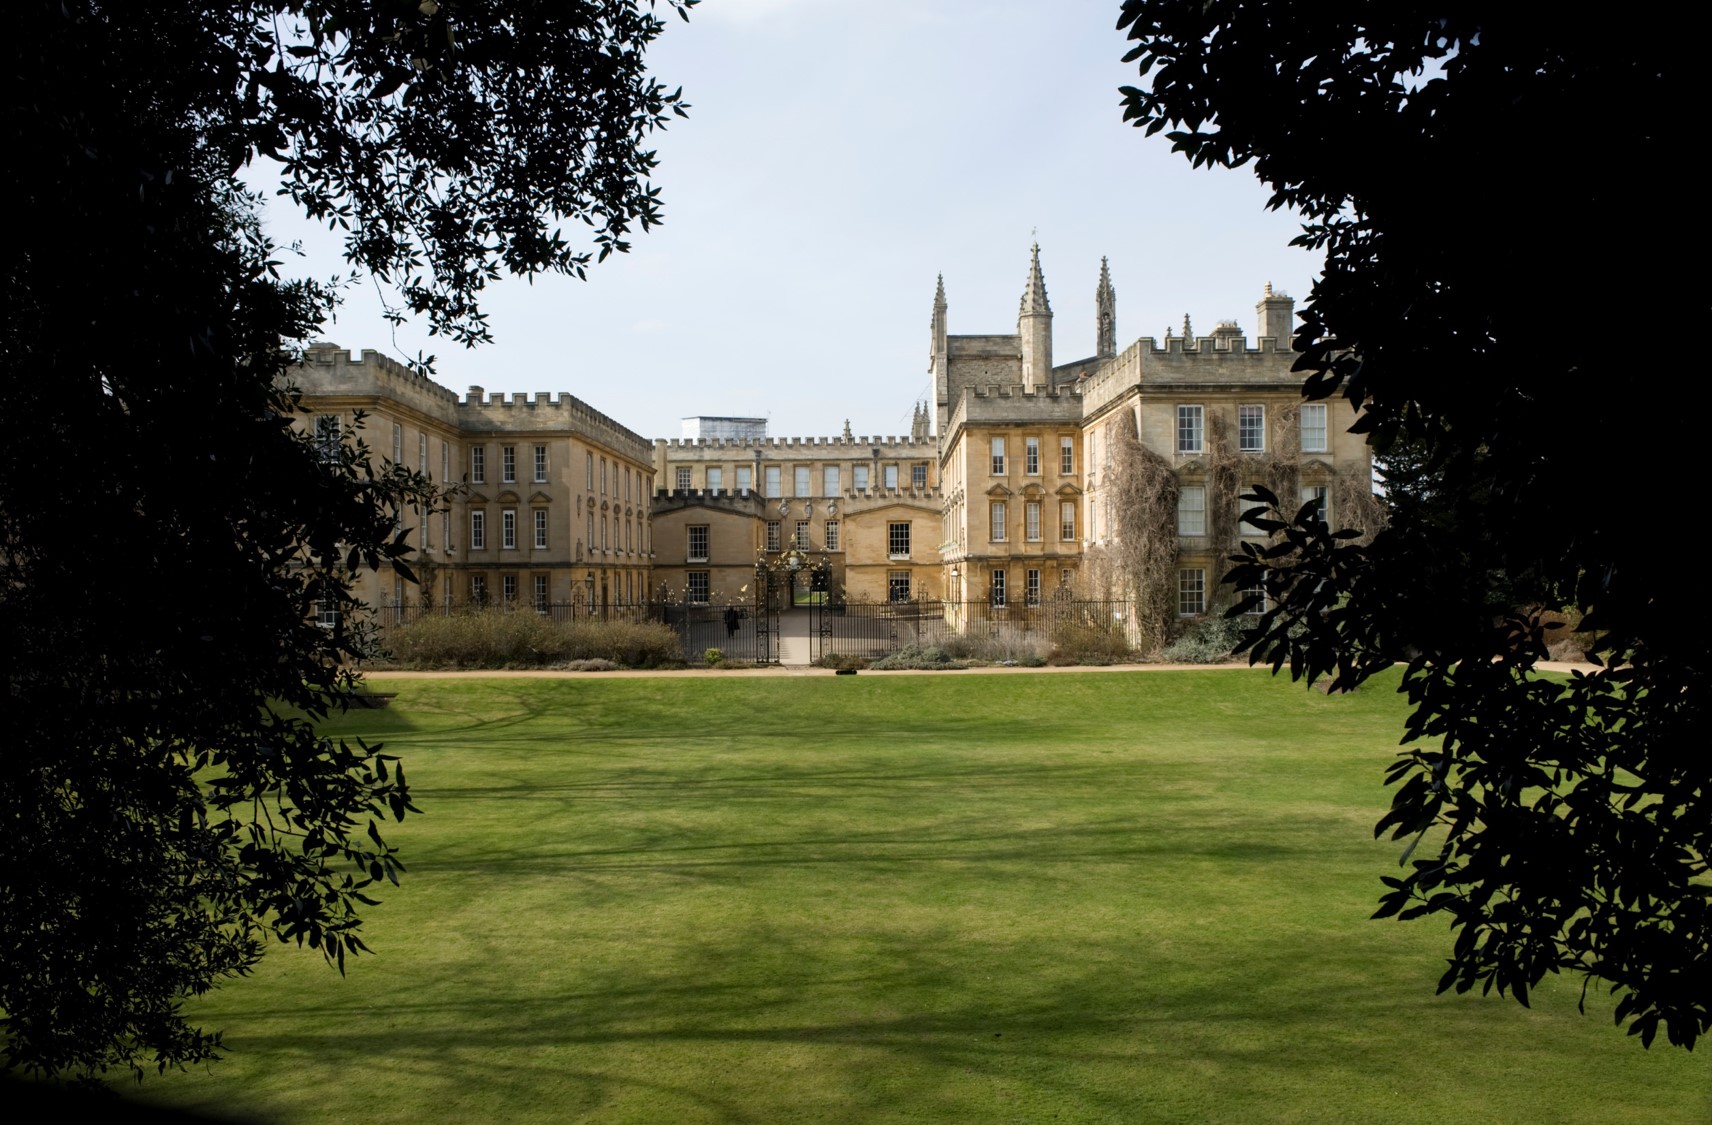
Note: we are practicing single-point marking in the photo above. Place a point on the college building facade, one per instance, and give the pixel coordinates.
(1029, 447)
(1001, 494)
(552, 497)
(859, 514)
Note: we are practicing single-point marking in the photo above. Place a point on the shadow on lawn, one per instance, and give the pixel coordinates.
(924, 1027)
(714, 783)
(873, 854)
(807, 972)
(645, 711)
(868, 822)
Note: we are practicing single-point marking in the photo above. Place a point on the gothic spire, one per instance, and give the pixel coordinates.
(1034, 301)
(1105, 314)
(937, 324)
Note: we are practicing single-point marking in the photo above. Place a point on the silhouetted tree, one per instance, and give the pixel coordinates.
(1503, 202)
(174, 554)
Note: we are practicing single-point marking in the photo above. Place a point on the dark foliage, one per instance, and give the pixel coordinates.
(165, 533)
(1501, 199)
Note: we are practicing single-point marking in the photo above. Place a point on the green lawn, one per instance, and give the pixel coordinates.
(1074, 897)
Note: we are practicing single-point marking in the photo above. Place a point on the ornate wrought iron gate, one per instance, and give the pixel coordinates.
(766, 615)
(820, 611)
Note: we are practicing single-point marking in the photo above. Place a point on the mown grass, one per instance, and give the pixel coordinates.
(1068, 897)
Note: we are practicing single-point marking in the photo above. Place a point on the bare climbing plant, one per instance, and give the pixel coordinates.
(1224, 486)
(1142, 491)
(1283, 465)
(1354, 504)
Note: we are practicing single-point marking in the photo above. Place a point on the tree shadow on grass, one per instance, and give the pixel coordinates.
(874, 853)
(896, 1024)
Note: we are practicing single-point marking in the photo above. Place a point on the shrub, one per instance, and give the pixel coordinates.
(491, 638)
(516, 638)
(838, 660)
(650, 645)
(1568, 641)
(916, 658)
(1004, 647)
(1208, 641)
(713, 656)
(1091, 642)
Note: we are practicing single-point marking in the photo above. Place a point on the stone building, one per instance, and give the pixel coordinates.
(868, 507)
(1026, 444)
(1010, 449)
(556, 501)
(1001, 494)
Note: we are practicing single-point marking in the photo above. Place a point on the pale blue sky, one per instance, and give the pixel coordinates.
(836, 159)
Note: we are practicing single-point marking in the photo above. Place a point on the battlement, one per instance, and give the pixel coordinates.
(520, 413)
(328, 369)
(1003, 403)
(1219, 342)
(746, 502)
(1222, 359)
(906, 492)
(1011, 403)
(751, 502)
(1017, 390)
(846, 447)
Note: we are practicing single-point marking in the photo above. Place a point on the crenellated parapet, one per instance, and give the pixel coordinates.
(373, 379)
(333, 372)
(746, 502)
(1064, 392)
(481, 413)
(751, 503)
(1211, 362)
(846, 446)
(1002, 403)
